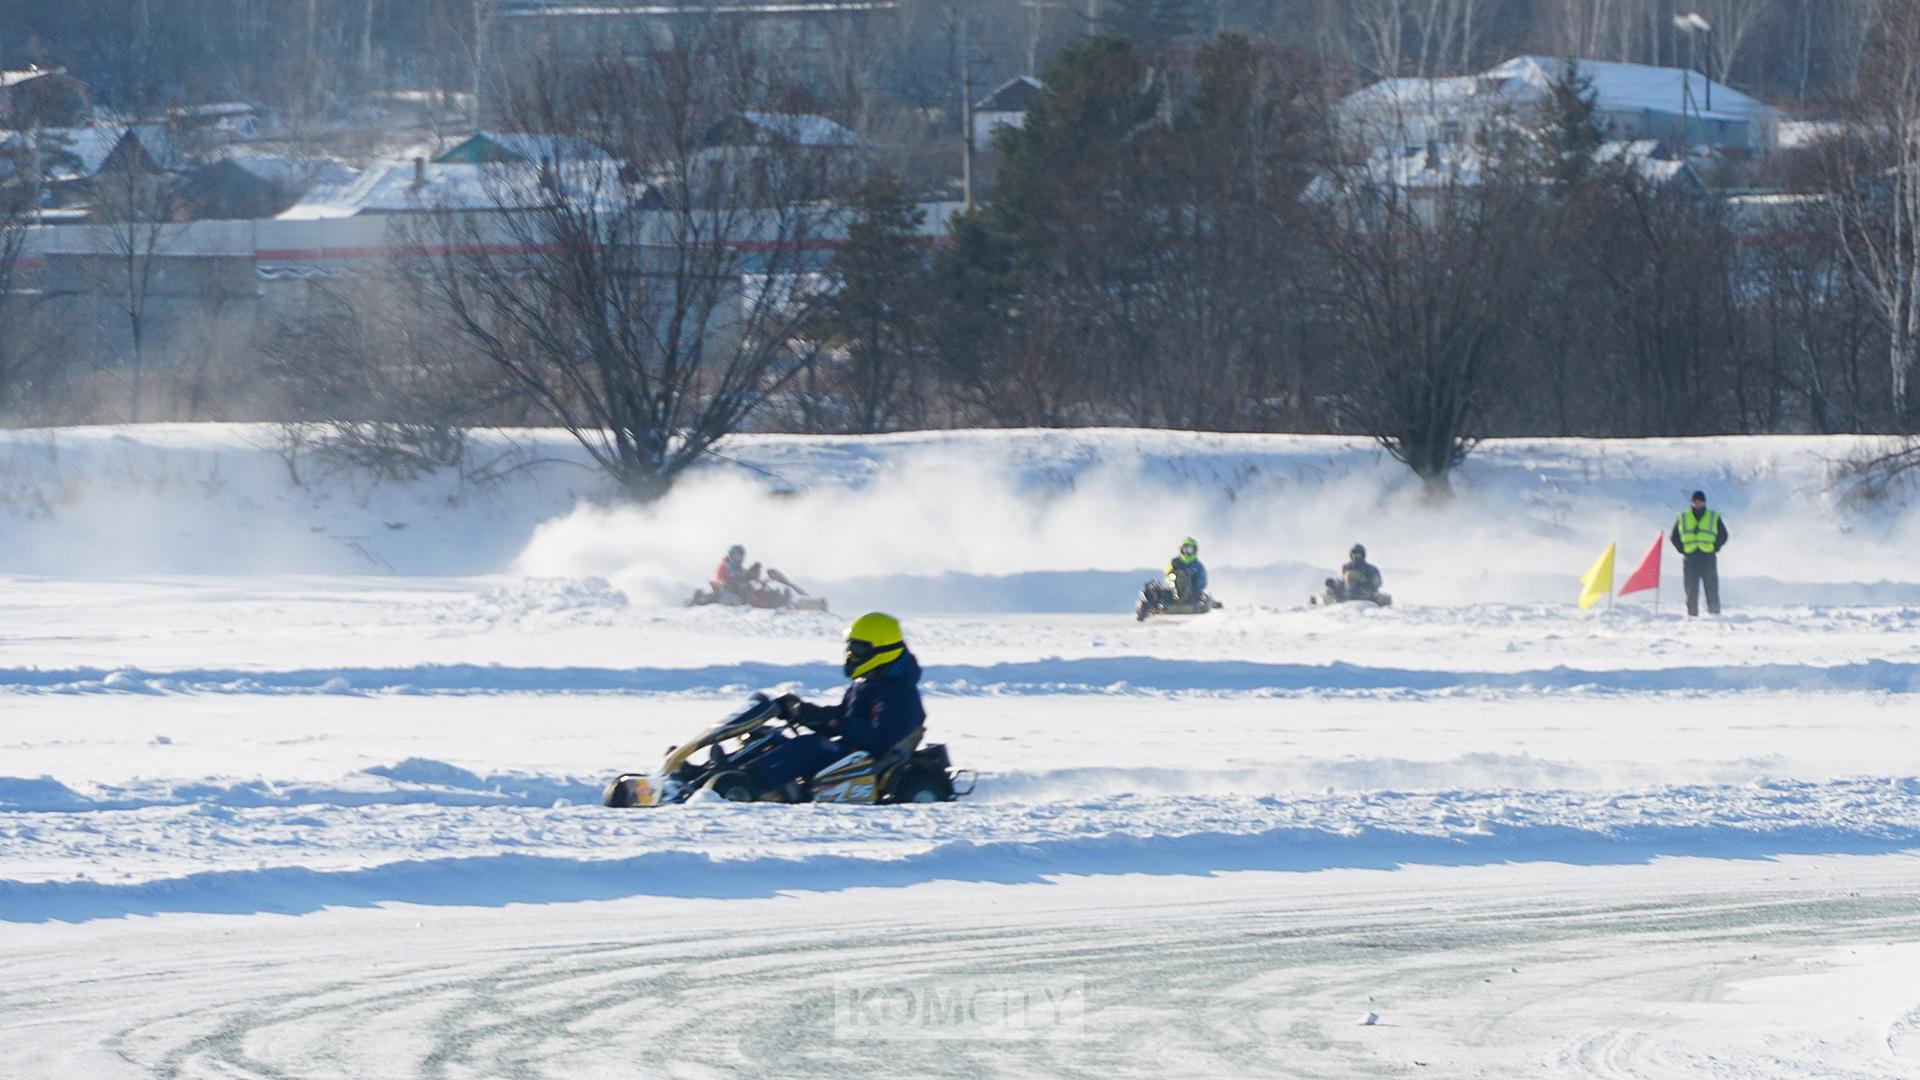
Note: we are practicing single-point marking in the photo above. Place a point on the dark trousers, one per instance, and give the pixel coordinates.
(1702, 568)
(797, 758)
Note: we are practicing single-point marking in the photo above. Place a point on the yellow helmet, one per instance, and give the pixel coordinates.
(873, 640)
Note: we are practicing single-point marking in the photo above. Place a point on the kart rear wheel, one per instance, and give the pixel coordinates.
(919, 785)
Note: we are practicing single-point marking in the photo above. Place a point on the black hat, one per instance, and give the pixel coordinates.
(1699, 496)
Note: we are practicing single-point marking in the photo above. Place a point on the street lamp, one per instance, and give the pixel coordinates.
(1695, 23)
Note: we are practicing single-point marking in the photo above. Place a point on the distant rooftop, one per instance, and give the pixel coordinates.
(1014, 95)
(278, 169)
(402, 187)
(15, 78)
(560, 9)
(484, 147)
(1528, 79)
(798, 129)
(394, 187)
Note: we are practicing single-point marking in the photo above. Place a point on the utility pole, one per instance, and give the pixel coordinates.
(480, 20)
(1709, 33)
(966, 105)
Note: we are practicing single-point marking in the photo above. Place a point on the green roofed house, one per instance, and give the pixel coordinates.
(520, 147)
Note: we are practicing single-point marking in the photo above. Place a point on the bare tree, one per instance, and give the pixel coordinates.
(1427, 275)
(366, 42)
(388, 389)
(1849, 25)
(645, 283)
(132, 201)
(480, 14)
(1417, 38)
(19, 194)
(1871, 172)
(1818, 327)
(1660, 276)
(1734, 25)
(1585, 28)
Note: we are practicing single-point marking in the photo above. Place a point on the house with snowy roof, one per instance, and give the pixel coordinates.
(422, 186)
(807, 130)
(216, 122)
(241, 187)
(1422, 178)
(1006, 107)
(43, 97)
(1634, 102)
(398, 187)
(768, 145)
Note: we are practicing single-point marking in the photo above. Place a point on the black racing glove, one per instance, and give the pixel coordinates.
(787, 706)
(814, 717)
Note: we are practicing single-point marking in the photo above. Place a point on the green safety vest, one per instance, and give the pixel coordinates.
(1699, 534)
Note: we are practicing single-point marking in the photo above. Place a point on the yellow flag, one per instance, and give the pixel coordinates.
(1598, 580)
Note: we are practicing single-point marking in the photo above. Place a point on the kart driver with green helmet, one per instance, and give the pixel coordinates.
(1186, 575)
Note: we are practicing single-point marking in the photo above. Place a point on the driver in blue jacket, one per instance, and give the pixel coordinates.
(879, 709)
(1186, 574)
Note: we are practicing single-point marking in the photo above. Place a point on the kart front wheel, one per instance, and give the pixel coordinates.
(733, 787)
(622, 793)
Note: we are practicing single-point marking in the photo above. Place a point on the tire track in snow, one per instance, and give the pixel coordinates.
(1250, 981)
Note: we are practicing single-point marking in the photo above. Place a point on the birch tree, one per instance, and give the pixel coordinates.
(1872, 179)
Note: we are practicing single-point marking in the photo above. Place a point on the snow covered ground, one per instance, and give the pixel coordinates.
(302, 779)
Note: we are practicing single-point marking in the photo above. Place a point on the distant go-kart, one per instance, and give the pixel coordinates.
(909, 773)
(1334, 594)
(782, 593)
(1157, 599)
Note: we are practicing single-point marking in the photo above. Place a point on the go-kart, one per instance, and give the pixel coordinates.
(1156, 598)
(1338, 593)
(777, 592)
(908, 773)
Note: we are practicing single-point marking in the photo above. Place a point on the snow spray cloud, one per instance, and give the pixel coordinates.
(233, 499)
(1026, 521)
(999, 521)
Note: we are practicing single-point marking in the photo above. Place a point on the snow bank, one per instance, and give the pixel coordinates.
(411, 781)
(1112, 675)
(211, 859)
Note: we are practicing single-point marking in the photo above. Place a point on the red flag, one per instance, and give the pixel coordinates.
(1647, 574)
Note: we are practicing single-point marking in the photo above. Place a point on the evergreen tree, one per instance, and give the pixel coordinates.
(1078, 148)
(874, 315)
(1573, 132)
(1067, 240)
